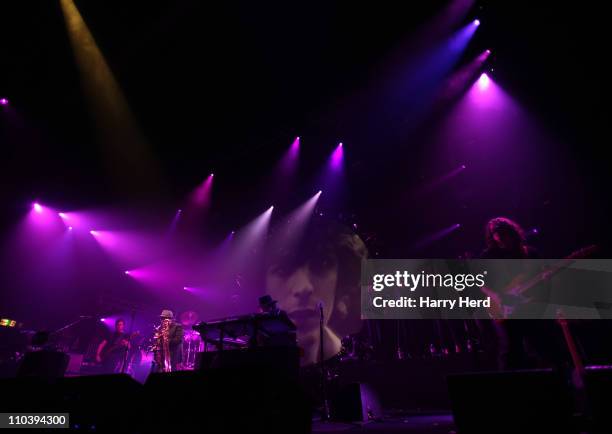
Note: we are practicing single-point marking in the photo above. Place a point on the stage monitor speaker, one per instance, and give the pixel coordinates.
(511, 402)
(284, 361)
(44, 364)
(103, 403)
(239, 399)
(354, 402)
(598, 383)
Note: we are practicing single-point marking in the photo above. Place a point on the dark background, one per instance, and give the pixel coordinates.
(225, 87)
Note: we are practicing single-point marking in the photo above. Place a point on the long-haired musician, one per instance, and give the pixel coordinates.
(522, 343)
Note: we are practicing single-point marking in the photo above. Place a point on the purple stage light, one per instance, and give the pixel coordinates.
(128, 247)
(460, 80)
(476, 22)
(290, 231)
(484, 81)
(337, 157)
(69, 228)
(202, 193)
(38, 208)
(287, 164)
(429, 186)
(175, 220)
(94, 233)
(63, 215)
(127, 272)
(4, 101)
(251, 237)
(436, 236)
(102, 319)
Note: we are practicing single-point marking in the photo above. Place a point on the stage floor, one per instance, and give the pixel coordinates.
(416, 424)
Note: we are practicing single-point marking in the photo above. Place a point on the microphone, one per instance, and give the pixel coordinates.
(320, 307)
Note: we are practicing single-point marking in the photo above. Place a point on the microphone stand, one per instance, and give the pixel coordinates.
(325, 415)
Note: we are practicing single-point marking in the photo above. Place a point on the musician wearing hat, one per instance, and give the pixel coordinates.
(267, 305)
(168, 346)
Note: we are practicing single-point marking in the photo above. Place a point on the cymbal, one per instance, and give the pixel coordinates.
(189, 318)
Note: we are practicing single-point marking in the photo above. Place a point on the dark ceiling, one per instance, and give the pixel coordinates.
(225, 86)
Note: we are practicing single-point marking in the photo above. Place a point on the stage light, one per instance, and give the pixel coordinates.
(127, 272)
(102, 319)
(202, 194)
(483, 81)
(476, 22)
(38, 208)
(336, 158)
(288, 163)
(125, 147)
(69, 228)
(62, 215)
(4, 101)
(94, 233)
(488, 51)
(463, 166)
(319, 192)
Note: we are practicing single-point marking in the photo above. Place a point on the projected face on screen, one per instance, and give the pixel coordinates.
(300, 290)
(321, 269)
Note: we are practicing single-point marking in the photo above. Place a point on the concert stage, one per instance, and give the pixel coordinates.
(319, 216)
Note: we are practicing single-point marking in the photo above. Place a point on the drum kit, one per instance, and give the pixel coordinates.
(192, 342)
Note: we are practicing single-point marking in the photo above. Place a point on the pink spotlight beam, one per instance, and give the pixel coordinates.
(288, 162)
(37, 207)
(202, 193)
(337, 157)
(484, 81)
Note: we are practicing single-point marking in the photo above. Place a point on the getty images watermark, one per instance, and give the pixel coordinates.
(486, 288)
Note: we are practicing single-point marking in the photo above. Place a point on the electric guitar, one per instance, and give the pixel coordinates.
(505, 301)
(121, 345)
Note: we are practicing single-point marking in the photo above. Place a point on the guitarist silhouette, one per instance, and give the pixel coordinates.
(112, 350)
(521, 343)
